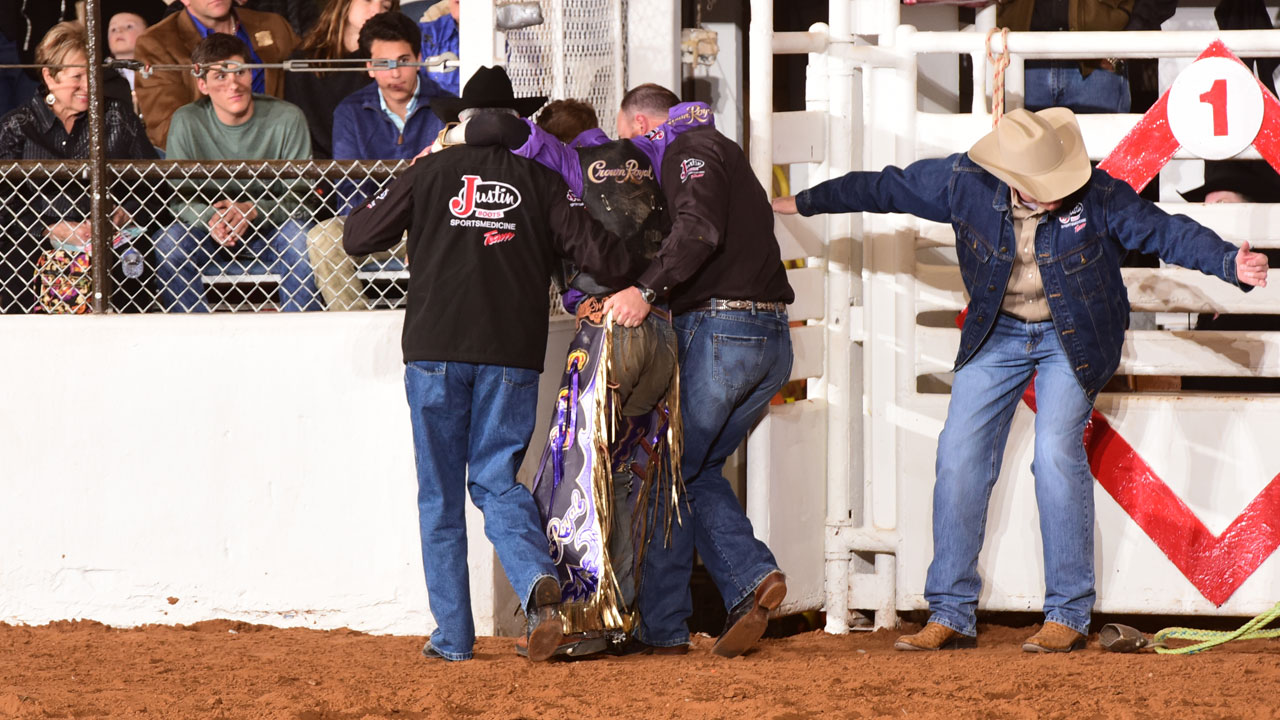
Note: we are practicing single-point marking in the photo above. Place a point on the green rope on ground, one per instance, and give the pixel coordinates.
(1212, 638)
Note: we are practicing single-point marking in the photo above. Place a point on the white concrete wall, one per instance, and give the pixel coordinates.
(170, 469)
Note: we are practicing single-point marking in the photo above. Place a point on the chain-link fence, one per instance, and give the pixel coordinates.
(182, 236)
(194, 237)
(578, 52)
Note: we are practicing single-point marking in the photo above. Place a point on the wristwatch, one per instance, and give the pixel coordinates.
(648, 295)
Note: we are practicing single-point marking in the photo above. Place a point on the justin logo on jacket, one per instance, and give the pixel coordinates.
(488, 199)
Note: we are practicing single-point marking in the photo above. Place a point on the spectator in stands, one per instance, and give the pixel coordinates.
(267, 36)
(1088, 86)
(390, 119)
(1039, 235)
(440, 35)
(301, 14)
(1236, 181)
(336, 36)
(52, 215)
(259, 222)
(123, 30)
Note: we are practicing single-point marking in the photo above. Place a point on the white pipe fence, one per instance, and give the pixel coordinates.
(884, 272)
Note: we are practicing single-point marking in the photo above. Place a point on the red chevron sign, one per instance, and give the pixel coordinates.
(1215, 564)
(1150, 144)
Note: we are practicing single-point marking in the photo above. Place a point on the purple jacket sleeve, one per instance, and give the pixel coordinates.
(546, 150)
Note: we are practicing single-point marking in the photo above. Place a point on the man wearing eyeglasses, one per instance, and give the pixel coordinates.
(229, 222)
(267, 38)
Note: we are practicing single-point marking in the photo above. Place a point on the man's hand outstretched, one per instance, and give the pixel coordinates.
(785, 205)
(1251, 267)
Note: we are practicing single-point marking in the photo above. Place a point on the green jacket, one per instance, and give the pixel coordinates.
(277, 131)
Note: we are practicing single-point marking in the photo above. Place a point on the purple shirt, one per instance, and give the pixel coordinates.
(543, 147)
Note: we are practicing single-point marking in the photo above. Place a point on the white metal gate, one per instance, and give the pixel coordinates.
(890, 286)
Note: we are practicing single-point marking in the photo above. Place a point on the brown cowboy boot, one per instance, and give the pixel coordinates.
(936, 637)
(748, 619)
(575, 645)
(544, 629)
(1054, 637)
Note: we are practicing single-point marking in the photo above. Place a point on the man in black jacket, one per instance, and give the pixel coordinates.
(486, 230)
(722, 270)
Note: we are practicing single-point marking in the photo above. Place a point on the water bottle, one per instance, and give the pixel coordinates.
(131, 263)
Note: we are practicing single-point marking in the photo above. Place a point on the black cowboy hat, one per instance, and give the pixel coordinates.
(1254, 179)
(490, 87)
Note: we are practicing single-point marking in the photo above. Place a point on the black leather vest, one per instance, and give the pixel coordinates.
(620, 189)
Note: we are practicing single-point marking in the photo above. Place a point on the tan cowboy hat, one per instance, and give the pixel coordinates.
(1042, 154)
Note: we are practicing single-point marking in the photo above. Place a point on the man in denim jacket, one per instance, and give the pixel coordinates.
(1039, 236)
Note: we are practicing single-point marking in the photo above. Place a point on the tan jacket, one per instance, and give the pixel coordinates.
(1082, 15)
(171, 41)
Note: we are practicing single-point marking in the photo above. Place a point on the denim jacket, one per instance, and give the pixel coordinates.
(1078, 247)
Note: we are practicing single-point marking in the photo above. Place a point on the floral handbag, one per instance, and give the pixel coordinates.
(64, 279)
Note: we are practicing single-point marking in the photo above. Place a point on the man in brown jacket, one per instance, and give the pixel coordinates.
(1085, 86)
(269, 37)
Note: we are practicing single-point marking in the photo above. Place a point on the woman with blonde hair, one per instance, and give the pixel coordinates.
(52, 215)
(336, 36)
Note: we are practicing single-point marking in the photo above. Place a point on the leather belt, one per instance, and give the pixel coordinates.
(749, 305)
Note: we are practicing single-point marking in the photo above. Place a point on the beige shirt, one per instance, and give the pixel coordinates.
(1024, 295)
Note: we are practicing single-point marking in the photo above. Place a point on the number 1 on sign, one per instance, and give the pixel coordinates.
(1233, 93)
(1216, 98)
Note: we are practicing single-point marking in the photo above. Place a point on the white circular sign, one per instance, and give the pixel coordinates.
(1215, 108)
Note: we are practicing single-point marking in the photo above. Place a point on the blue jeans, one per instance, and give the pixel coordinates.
(182, 253)
(471, 428)
(984, 396)
(1062, 85)
(731, 364)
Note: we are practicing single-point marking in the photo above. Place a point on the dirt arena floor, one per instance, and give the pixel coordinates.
(223, 669)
